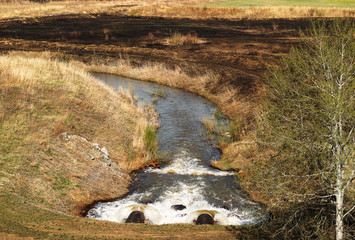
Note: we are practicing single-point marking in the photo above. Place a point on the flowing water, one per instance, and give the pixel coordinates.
(187, 154)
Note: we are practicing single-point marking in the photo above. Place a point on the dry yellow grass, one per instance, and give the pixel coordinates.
(179, 39)
(26, 9)
(21, 9)
(237, 156)
(159, 73)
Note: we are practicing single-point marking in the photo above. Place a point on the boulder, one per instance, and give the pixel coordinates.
(178, 207)
(136, 217)
(204, 218)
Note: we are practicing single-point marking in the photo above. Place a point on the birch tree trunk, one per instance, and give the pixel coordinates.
(339, 224)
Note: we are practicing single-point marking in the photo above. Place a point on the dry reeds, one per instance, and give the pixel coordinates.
(179, 39)
(159, 73)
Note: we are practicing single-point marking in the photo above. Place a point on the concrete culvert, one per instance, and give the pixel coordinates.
(204, 218)
(136, 217)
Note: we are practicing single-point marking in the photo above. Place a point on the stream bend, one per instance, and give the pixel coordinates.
(185, 177)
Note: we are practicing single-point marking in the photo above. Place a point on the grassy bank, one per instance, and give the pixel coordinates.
(51, 114)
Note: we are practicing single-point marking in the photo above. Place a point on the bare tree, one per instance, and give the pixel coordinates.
(308, 121)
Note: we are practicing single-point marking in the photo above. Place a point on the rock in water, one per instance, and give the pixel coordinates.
(178, 207)
(135, 217)
(204, 219)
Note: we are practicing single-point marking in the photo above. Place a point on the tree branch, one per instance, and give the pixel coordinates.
(349, 211)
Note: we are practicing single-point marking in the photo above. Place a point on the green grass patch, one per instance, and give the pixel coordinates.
(299, 3)
(150, 141)
(62, 183)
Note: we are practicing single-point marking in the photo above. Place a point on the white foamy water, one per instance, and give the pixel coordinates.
(161, 211)
(184, 164)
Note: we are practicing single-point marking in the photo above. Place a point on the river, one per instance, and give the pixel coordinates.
(185, 176)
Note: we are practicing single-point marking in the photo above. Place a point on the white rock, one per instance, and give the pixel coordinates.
(104, 151)
(96, 145)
